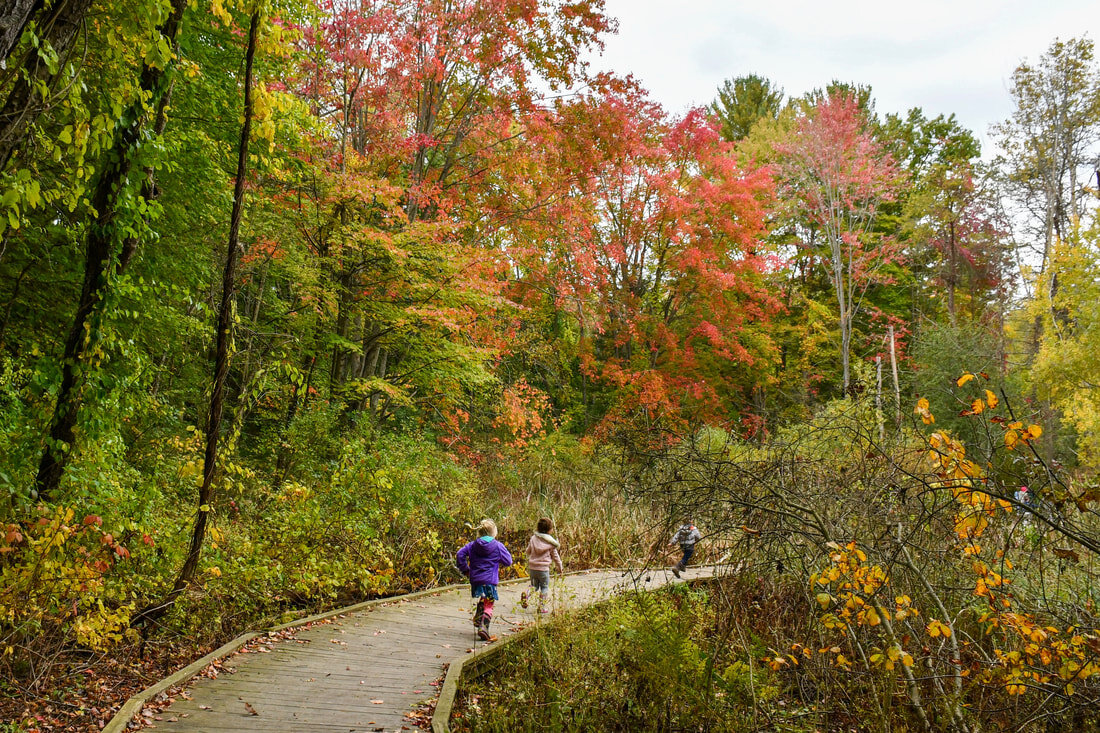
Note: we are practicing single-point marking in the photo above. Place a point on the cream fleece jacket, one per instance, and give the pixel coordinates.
(541, 549)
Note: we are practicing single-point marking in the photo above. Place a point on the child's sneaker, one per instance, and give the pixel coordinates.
(544, 610)
(676, 571)
(483, 634)
(523, 599)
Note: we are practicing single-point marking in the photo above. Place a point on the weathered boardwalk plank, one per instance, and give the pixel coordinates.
(366, 670)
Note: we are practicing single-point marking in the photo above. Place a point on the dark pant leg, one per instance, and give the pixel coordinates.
(689, 550)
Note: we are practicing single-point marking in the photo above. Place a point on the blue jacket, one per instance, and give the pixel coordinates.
(482, 559)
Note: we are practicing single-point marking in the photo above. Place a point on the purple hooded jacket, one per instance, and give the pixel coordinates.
(481, 560)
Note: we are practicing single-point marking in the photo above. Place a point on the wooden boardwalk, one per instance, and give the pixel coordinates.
(367, 670)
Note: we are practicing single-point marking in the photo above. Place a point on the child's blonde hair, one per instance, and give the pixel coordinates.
(487, 528)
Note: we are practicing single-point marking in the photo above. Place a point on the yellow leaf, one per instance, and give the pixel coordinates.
(991, 400)
(922, 409)
(964, 379)
(977, 406)
(938, 628)
(824, 599)
(1034, 430)
(872, 617)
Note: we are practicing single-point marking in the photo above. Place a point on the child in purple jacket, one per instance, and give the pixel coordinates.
(481, 561)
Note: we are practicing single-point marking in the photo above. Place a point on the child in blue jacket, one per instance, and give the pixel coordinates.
(481, 561)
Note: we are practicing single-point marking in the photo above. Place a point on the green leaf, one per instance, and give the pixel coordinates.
(34, 197)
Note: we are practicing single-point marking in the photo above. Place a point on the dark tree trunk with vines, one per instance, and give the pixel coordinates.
(221, 356)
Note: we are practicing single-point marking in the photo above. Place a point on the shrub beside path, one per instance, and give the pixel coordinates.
(368, 669)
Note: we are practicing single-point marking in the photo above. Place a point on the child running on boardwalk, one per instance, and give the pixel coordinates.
(686, 536)
(481, 561)
(542, 548)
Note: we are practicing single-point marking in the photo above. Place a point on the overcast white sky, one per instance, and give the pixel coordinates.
(939, 55)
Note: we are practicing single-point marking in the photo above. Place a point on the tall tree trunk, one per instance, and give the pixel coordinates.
(894, 371)
(61, 23)
(103, 239)
(338, 368)
(952, 272)
(878, 401)
(13, 20)
(221, 356)
(843, 305)
(376, 396)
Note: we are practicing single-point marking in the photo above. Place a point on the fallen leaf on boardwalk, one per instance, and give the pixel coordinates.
(446, 646)
(251, 710)
(377, 702)
(204, 707)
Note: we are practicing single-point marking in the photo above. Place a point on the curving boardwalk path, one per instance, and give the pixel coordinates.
(366, 670)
